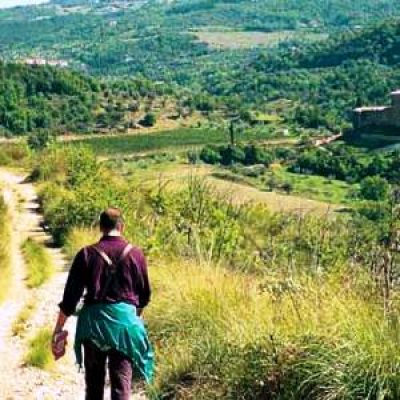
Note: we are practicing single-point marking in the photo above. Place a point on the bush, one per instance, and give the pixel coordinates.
(231, 155)
(149, 120)
(257, 155)
(210, 155)
(374, 188)
(14, 154)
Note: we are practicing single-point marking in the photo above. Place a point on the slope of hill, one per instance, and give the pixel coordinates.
(120, 37)
(323, 80)
(160, 41)
(45, 97)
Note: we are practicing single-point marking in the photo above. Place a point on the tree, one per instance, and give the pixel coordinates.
(374, 188)
(257, 155)
(149, 120)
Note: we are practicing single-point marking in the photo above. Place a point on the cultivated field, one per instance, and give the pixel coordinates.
(171, 139)
(241, 40)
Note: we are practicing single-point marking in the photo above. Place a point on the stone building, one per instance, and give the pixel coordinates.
(379, 118)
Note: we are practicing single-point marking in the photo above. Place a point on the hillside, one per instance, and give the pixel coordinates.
(323, 80)
(45, 97)
(153, 38)
(60, 100)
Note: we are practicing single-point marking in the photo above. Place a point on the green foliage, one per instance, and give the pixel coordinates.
(323, 79)
(210, 155)
(310, 299)
(348, 163)
(43, 98)
(257, 155)
(224, 335)
(149, 120)
(374, 188)
(228, 155)
(38, 263)
(194, 222)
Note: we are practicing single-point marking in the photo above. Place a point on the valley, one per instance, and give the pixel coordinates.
(253, 148)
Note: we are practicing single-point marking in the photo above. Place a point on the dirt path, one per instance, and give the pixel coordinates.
(19, 382)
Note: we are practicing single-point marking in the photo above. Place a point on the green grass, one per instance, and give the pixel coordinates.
(39, 266)
(179, 138)
(316, 187)
(19, 326)
(5, 261)
(39, 350)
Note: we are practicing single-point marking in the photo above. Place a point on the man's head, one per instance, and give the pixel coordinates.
(111, 220)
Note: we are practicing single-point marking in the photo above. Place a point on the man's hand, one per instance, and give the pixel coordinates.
(59, 338)
(59, 344)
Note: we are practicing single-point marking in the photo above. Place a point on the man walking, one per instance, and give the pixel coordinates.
(113, 276)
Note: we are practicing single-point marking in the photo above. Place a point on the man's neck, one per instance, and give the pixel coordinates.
(114, 233)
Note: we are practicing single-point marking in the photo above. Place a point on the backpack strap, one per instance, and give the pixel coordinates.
(112, 267)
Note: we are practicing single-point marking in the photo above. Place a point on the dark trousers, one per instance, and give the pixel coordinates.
(119, 368)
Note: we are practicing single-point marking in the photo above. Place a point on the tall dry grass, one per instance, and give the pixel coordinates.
(225, 334)
(221, 334)
(39, 354)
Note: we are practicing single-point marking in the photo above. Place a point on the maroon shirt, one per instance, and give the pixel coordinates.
(88, 274)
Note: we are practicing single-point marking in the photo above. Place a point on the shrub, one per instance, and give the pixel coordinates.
(231, 154)
(149, 120)
(374, 188)
(257, 155)
(210, 155)
(193, 157)
(14, 155)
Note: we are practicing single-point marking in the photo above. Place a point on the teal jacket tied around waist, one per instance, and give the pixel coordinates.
(116, 326)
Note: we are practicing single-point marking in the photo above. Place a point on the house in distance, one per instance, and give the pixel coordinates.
(379, 119)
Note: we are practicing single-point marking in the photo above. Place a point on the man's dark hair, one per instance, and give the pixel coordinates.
(111, 218)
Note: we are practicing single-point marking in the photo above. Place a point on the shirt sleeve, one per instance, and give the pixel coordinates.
(141, 277)
(75, 285)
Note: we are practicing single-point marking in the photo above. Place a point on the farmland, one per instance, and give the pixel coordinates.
(178, 139)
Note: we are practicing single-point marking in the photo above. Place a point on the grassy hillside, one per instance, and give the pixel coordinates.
(248, 303)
